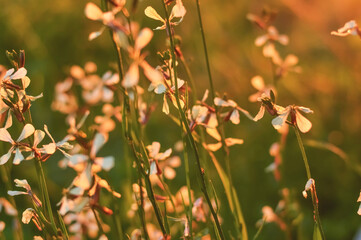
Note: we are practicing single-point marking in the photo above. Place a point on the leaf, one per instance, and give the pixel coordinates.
(273, 97)
(327, 146)
(226, 184)
(316, 233)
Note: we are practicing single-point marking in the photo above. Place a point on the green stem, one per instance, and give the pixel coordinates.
(40, 171)
(5, 175)
(141, 206)
(101, 230)
(42, 180)
(188, 180)
(186, 125)
(313, 191)
(220, 127)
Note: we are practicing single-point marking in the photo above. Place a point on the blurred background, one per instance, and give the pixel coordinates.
(54, 35)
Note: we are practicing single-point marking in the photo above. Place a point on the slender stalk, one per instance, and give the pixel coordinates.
(141, 206)
(220, 127)
(188, 181)
(101, 230)
(40, 170)
(313, 192)
(5, 175)
(186, 125)
(42, 181)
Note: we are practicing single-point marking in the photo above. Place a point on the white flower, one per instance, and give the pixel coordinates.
(297, 119)
(350, 28)
(310, 184)
(178, 11)
(5, 136)
(24, 184)
(216, 146)
(89, 164)
(28, 214)
(131, 78)
(233, 114)
(272, 35)
(93, 12)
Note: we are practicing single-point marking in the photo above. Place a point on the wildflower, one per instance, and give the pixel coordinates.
(267, 103)
(258, 83)
(12, 75)
(24, 184)
(310, 186)
(87, 165)
(84, 223)
(233, 114)
(270, 216)
(271, 36)
(287, 65)
(297, 119)
(198, 210)
(178, 11)
(156, 156)
(17, 145)
(350, 28)
(216, 146)
(9, 209)
(28, 214)
(93, 12)
(131, 78)
(64, 101)
(102, 90)
(268, 40)
(106, 124)
(268, 15)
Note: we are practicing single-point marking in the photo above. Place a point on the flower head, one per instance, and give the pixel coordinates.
(178, 11)
(297, 119)
(350, 28)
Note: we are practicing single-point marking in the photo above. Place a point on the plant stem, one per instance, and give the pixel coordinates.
(40, 170)
(42, 179)
(186, 125)
(188, 181)
(98, 221)
(221, 129)
(313, 191)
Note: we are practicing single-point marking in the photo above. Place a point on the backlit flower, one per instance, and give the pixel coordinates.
(350, 28)
(178, 11)
(16, 146)
(131, 78)
(233, 114)
(297, 119)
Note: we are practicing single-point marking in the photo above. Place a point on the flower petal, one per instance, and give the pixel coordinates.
(27, 131)
(303, 123)
(98, 142)
(260, 113)
(5, 136)
(279, 121)
(151, 73)
(132, 76)
(143, 38)
(20, 73)
(152, 13)
(258, 83)
(235, 117)
(93, 12)
(5, 158)
(38, 137)
(106, 163)
(18, 157)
